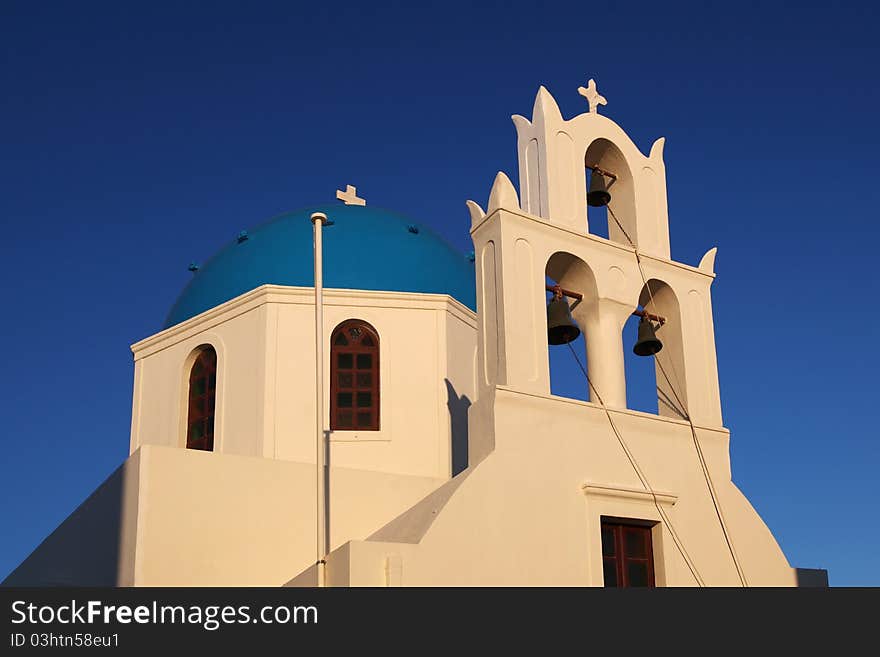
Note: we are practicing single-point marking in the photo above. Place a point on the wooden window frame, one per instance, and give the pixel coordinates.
(202, 407)
(620, 528)
(354, 331)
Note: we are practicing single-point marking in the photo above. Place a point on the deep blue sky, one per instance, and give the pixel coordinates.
(137, 138)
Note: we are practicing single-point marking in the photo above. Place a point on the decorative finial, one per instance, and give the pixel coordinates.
(593, 97)
(349, 196)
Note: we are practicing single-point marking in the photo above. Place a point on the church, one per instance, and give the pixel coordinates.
(309, 416)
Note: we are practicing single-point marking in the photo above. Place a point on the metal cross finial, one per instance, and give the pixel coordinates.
(349, 196)
(593, 97)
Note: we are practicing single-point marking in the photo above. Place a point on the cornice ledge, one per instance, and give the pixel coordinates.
(270, 293)
(614, 411)
(522, 214)
(609, 490)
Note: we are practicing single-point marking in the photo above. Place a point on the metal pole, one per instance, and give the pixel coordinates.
(318, 221)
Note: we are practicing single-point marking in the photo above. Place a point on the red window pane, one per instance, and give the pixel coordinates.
(609, 569)
(202, 397)
(607, 541)
(634, 542)
(354, 377)
(628, 558)
(637, 573)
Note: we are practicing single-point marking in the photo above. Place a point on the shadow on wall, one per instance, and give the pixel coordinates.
(458, 422)
(85, 549)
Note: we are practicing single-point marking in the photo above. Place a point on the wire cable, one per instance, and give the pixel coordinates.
(642, 478)
(687, 416)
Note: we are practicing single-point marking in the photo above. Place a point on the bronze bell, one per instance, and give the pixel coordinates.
(647, 344)
(598, 195)
(561, 327)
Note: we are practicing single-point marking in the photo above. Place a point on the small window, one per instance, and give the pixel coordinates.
(354, 377)
(627, 553)
(202, 397)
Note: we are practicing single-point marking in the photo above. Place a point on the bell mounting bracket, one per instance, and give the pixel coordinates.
(595, 169)
(577, 296)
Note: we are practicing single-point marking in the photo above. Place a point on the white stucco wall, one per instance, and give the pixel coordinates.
(266, 377)
(178, 517)
(95, 545)
(529, 514)
(207, 519)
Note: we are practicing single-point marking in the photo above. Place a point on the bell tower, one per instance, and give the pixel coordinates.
(542, 233)
(553, 158)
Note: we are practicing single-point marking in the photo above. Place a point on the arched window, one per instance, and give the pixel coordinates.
(354, 377)
(202, 395)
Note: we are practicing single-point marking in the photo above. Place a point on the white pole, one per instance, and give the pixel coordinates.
(318, 221)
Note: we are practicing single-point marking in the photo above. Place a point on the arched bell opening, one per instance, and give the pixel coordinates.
(641, 382)
(570, 320)
(655, 377)
(609, 185)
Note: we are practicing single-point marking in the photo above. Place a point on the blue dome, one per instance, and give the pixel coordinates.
(366, 248)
